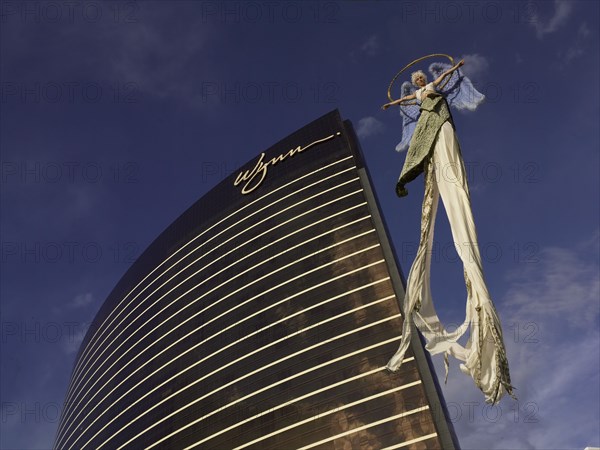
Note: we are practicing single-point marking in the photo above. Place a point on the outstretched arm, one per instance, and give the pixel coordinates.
(448, 72)
(400, 100)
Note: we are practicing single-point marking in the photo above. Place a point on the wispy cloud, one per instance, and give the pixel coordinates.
(82, 300)
(562, 11)
(71, 345)
(371, 46)
(369, 126)
(569, 286)
(146, 56)
(161, 62)
(578, 45)
(475, 65)
(550, 316)
(518, 58)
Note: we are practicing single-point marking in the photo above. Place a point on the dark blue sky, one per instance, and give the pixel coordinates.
(116, 116)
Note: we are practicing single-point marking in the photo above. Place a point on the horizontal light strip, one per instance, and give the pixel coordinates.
(191, 317)
(312, 369)
(195, 347)
(299, 374)
(271, 364)
(297, 294)
(192, 288)
(210, 228)
(101, 329)
(412, 441)
(270, 410)
(331, 411)
(273, 343)
(130, 323)
(364, 427)
(226, 312)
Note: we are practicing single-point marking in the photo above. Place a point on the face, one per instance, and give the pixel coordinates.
(420, 80)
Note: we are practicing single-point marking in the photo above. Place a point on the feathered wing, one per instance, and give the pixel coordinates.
(459, 90)
(410, 116)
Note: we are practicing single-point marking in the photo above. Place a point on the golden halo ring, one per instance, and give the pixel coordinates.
(434, 55)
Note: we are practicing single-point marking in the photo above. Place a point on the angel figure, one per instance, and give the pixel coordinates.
(429, 133)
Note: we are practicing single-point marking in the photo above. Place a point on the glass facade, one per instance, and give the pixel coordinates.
(263, 317)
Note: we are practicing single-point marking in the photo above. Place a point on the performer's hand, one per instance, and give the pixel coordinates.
(461, 62)
(386, 106)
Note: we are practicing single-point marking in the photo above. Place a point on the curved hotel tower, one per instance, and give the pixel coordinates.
(263, 317)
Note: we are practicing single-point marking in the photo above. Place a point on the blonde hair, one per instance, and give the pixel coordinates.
(414, 75)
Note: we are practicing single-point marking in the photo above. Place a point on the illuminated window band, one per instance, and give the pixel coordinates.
(251, 299)
(313, 369)
(290, 402)
(412, 441)
(88, 379)
(233, 237)
(304, 372)
(335, 410)
(75, 383)
(271, 364)
(231, 265)
(270, 410)
(296, 333)
(202, 326)
(210, 337)
(215, 248)
(131, 336)
(247, 301)
(369, 425)
(101, 329)
(230, 363)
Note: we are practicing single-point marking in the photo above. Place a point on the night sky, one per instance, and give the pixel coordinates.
(116, 116)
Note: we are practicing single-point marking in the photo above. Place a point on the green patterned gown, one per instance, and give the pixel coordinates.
(434, 112)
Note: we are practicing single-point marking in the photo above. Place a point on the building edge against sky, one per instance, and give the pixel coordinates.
(262, 317)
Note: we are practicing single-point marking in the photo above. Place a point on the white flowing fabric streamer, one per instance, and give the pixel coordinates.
(484, 355)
